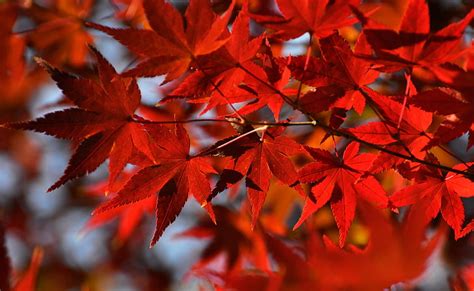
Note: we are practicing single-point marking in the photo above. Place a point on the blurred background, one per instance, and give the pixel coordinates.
(112, 253)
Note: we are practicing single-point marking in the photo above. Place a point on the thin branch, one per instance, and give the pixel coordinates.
(145, 121)
(328, 129)
(382, 149)
(447, 151)
(347, 135)
(262, 128)
(251, 122)
(397, 137)
(315, 123)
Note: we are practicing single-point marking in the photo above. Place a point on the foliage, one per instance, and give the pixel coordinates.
(360, 126)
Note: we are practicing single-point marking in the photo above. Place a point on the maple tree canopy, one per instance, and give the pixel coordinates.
(337, 168)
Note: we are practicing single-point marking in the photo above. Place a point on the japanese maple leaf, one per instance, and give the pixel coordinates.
(318, 17)
(170, 48)
(339, 181)
(293, 271)
(256, 158)
(413, 45)
(60, 36)
(441, 192)
(103, 123)
(339, 76)
(402, 246)
(450, 103)
(177, 176)
(319, 264)
(278, 74)
(462, 80)
(407, 135)
(215, 82)
(232, 237)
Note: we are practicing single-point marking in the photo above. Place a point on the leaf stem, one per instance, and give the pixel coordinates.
(308, 54)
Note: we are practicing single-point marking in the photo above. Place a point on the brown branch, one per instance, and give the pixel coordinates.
(315, 123)
(327, 128)
(347, 135)
(251, 122)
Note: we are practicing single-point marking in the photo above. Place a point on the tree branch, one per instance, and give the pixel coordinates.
(347, 135)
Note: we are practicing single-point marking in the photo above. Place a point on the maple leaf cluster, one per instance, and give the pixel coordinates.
(325, 128)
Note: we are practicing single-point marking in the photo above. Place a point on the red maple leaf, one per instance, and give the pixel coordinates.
(403, 130)
(449, 103)
(215, 82)
(402, 245)
(16, 81)
(339, 75)
(103, 123)
(170, 48)
(59, 35)
(177, 176)
(319, 18)
(436, 192)
(257, 158)
(130, 11)
(339, 181)
(322, 265)
(277, 73)
(414, 45)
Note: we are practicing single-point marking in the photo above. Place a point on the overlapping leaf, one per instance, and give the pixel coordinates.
(339, 76)
(413, 44)
(442, 193)
(172, 45)
(320, 264)
(177, 176)
(128, 216)
(320, 17)
(258, 158)
(340, 182)
(448, 102)
(403, 130)
(216, 80)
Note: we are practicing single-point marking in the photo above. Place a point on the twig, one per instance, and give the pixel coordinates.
(347, 135)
